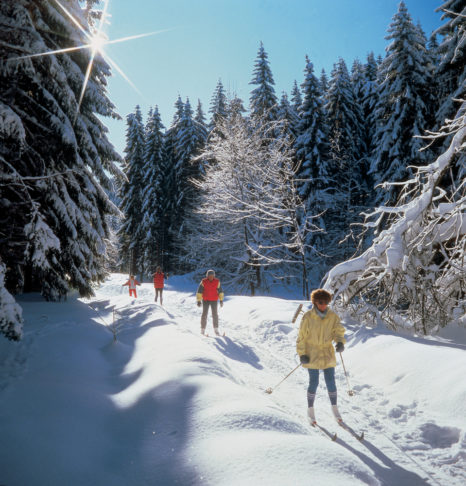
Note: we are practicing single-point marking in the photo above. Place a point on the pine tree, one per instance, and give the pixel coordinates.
(323, 83)
(363, 91)
(451, 72)
(200, 122)
(287, 117)
(131, 231)
(218, 105)
(344, 118)
(402, 110)
(153, 192)
(369, 103)
(347, 154)
(263, 102)
(311, 146)
(188, 140)
(55, 158)
(169, 222)
(296, 98)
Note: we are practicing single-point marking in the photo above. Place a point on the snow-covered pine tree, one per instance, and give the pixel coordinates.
(169, 223)
(263, 101)
(369, 103)
(311, 146)
(218, 105)
(347, 154)
(288, 117)
(402, 112)
(131, 230)
(202, 130)
(296, 98)
(323, 83)
(189, 140)
(451, 72)
(363, 89)
(54, 154)
(153, 193)
(200, 123)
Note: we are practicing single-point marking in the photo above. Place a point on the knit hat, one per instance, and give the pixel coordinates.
(210, 272)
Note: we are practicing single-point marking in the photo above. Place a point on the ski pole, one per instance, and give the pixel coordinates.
(350, 391)
(270, 390)
(296, 314)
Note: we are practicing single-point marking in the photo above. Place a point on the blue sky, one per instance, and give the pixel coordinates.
(210, 40)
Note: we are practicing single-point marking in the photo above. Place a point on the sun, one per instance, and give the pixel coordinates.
(97, 42)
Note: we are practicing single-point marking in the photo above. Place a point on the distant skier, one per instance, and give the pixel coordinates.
(159, 278)
(131, 283)
(208, 293)
(319, 327)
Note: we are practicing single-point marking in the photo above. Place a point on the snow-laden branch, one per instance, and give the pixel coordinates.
(415, 269)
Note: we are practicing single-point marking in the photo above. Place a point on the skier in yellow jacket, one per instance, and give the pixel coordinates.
(319, 327)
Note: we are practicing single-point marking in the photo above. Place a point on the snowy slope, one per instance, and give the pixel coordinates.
(163, 405)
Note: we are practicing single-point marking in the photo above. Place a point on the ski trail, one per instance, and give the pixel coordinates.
(261, 352)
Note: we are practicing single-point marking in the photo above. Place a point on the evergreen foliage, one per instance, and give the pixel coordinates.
(153, 192)
(451, 72)
(263, 101)
(218, 105)
(312, 148)
(54, 154)
(131, 230)
(347, 152)
(403, 110)
(288, 117)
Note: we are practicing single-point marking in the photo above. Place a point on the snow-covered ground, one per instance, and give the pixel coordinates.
(163, 405)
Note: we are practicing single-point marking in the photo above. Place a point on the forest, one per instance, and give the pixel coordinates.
(355, 180)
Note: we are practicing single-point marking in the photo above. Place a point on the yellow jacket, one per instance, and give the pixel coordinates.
(315, 338)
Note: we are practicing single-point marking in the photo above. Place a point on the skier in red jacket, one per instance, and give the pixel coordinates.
(209, 292)
(131, 283)
(159, 277)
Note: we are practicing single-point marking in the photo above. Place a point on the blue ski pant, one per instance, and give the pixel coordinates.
(329, 375)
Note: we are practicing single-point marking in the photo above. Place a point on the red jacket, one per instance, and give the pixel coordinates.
(158, 280)
(210, 290)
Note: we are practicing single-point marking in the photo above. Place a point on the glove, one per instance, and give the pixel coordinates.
(199, 303)
(304, 359)
(221, 303)
(340, 347)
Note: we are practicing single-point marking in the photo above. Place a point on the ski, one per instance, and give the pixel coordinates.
(349, 429)
(324, 431)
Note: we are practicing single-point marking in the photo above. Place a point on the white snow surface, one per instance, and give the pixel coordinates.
(163, 405)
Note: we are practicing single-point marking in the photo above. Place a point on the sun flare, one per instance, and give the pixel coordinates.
(97, 42)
